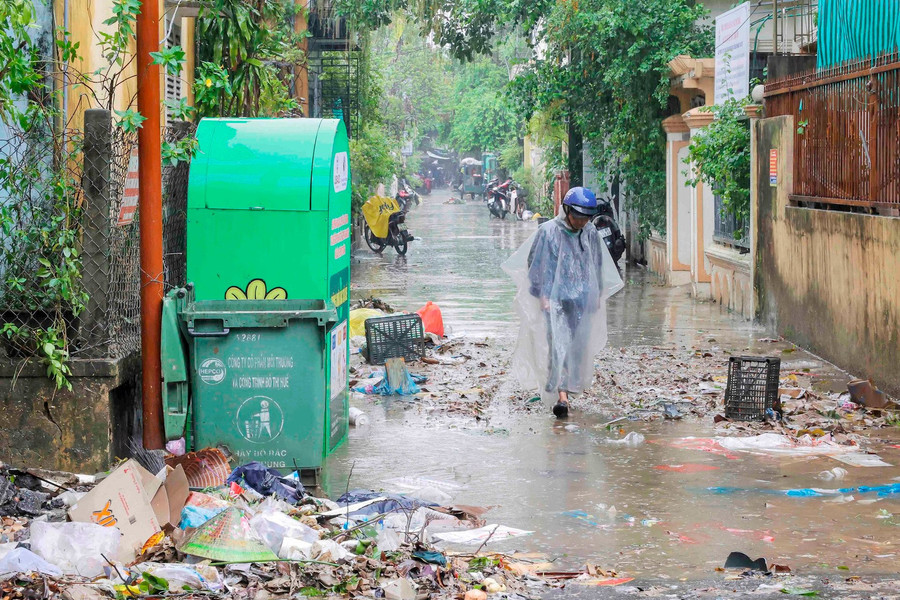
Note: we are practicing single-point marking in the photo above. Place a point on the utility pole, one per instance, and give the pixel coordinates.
(150, 219)
(301, 79)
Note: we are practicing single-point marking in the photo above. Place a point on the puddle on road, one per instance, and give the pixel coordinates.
(555, 480)
(455, 259)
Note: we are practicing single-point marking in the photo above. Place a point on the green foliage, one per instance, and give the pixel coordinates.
(512, 155)
(413, 81)
(373, 162)
(212, 89)
(605, 70)
(171, 58)
(254, 45)
(181, 150)
(484, 118)
(41, 286)
(130, 120)
(152, 585)
(115, 44)
(422, 92)
(181, 110)
(720, 155)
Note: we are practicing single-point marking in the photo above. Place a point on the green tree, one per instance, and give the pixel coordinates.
(415, 78)
(720, 154)
(606, 70)
(484, 118)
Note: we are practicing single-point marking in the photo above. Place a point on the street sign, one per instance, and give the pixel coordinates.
(773, 167)
(733, 54)
(130, 195)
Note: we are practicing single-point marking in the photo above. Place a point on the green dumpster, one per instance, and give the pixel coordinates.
(262, 327)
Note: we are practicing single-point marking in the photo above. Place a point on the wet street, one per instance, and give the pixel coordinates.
(646, 511)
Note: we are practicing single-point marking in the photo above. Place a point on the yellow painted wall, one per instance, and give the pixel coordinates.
(825, 279)
(85, 18)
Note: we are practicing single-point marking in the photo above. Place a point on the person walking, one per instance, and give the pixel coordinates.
(564, 274)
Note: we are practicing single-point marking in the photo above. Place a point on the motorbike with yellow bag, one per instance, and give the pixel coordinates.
(385, 225)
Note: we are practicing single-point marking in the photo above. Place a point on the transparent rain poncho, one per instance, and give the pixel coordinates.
(574, 274)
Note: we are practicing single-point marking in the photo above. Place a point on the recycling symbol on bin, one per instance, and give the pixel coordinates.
(259, 419)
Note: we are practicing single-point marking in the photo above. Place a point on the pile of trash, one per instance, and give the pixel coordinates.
(258, 534)
(653, 383)
(650, 383)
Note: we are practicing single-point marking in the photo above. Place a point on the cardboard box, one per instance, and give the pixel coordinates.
(121, 501)
(137, 502)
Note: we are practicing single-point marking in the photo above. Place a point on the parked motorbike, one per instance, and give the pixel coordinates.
(406, 195)
(609, 230)
(396, 233)
(398, 236)
(502, 198)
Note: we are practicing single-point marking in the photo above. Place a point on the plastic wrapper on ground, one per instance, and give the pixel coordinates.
(76, 548)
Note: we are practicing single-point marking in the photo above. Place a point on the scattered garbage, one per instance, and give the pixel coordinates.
(123, 500)
(395, 336)
(267, 481)
(22, 560)
(207, 468)
(632, 439)
(865, 393)
(396, 380)
(77, 548)
(200, 508)
(686, 468)
(483, 535)
(358, 418)
(358, 318)
(739, 560)
(432, 319)
(274, 527)
(835, 474)
(752, 387)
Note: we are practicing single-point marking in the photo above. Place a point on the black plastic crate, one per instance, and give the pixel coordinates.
(395, 336)
(752, 387)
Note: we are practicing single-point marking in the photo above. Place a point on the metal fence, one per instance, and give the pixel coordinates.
(69, 253)
(728, 229)
(847, 138)
(175, 185)
(97, 310)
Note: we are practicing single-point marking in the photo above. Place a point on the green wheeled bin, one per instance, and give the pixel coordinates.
(264, 320)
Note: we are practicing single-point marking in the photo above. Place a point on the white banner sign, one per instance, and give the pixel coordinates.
(733, 54)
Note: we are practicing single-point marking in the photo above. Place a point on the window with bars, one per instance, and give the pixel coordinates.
(174, 85)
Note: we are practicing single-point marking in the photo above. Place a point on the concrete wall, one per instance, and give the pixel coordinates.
(84, 430)
(826, 280)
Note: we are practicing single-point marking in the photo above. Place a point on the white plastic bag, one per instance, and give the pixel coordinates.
(387, 540)
(22, 560)
(273, 527)
(76, 548)
(196, 577)
(293, 549)
(329, 551)
(631, 440)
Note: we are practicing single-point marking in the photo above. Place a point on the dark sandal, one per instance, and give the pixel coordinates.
(561, 410)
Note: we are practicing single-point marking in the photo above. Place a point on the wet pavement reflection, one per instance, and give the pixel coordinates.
(562, 480)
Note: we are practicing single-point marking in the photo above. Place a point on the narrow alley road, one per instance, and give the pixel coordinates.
(586, 498)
